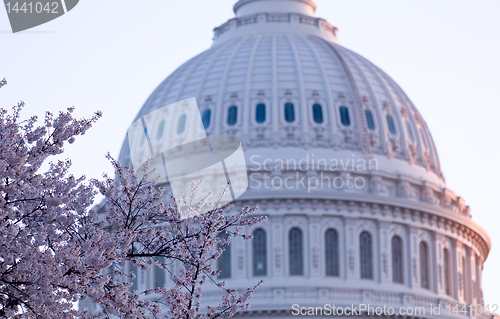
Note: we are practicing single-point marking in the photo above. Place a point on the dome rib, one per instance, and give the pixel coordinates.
(248, 104)
(160, 92)
(395, 111)
(275, 118)
(195, 65)
(216, 55)
(172, 84)
(328, 92)
(221, 104)
(302, 93)
(377, 107)
(354, 92)
(425, 129)
(360, 108)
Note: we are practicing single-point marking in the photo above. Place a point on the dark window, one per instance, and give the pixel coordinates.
(365, 254)
(424, 265)
(296, 252)
(260, 113)
(369, 120)
(181, 125)
(397, 260)
(289, 113)
(224, 260)
(332, 253)
(160, 274)
(259, 253)
(317, 113)
(410, 131)
(205, 118)
(161, 127)
(447, 272)
(232, 115)
(390, 124)
(344, 116)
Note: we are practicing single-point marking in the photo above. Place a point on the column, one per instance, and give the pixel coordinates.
(277, 261)
(352, 251)
(314, 244)
(414, 257)
(385, 253)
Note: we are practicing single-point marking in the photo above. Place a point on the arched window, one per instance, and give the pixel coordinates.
(232, 115)
(390, 124)
(181, 125)
(424, 265)
(295, 252)
(397, 260)
(365, 254)
(410, 132)
(344, 116)
(159, 133)
(224, 260)
(332, 253)
(260, 113)
(317, 113)
(289, 112)
(369, 120)
(447, 272)
(205, 118)
(259, 253)
(160, 274)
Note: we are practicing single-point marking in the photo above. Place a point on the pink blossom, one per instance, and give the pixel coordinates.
(57, 249)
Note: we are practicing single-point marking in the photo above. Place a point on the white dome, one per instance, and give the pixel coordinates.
(281, 65)
(296, 94)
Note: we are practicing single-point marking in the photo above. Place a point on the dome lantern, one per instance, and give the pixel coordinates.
(274, 16)
(249, 7)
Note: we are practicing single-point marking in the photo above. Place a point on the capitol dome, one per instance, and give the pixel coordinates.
(274, 59)
(341, 162)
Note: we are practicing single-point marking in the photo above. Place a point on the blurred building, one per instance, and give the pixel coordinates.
(340, 161)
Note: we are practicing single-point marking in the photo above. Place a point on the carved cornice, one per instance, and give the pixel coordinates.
(438, 220)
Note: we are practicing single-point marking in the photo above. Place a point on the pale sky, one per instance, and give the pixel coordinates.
(110, 55)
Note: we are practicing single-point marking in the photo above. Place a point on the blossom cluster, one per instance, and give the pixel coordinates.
(56, 246)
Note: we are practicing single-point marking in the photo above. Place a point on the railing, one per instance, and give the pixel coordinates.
(223, 28)
(309, 20)
(273, 18)
(278, 17)
(246, 20)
